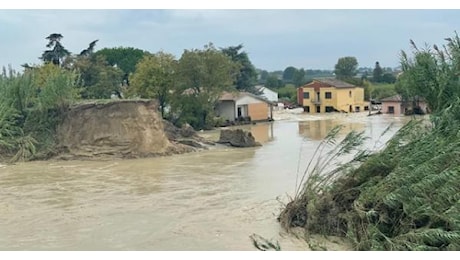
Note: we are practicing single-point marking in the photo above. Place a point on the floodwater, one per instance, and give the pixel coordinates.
(210, 200)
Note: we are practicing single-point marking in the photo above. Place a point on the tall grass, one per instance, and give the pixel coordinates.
(406, 196)
(322, 170)
(30, 110)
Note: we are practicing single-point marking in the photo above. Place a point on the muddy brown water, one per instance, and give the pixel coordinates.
(210, 200)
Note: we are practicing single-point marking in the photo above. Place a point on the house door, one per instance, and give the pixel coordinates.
(242, 111)
(318, 109)
(391, 109)
(351, 108)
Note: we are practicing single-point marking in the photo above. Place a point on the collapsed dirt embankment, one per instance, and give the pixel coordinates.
(115, 129)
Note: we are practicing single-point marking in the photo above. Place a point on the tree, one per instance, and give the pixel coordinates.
(346, 67)
(273, 82)
(99, 79)
(388, 78)
(288, 92)
(155, 78)
(247, 77)
(125, 58)
(204, 75)
(288, 74)
(377, 73)
(299, 77)
(365, 75)
(263, 75)
(57, 52)
(379, 91)
(89, 51)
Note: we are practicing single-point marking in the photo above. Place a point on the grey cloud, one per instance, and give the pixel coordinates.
(274, 39)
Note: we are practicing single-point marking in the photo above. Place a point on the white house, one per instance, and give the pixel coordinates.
(234, 106)
(267, 93)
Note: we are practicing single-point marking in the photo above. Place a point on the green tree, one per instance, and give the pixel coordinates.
(346, 67)
(57, 52)
(247, 77)
(288, 74)
(365, 75)
(377, 73)
(381, 90)
(273, 82)
(263, 75)
(299, 78)
(155, 78)
(388, 78)
(125, 58)
(55, 87)
(98, 78)
(89, 51)
(288, 92)
(204, 75)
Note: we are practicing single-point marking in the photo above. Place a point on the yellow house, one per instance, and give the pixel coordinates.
(331, 95)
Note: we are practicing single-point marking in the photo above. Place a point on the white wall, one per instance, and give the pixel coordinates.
(229, 109)
(226, 109)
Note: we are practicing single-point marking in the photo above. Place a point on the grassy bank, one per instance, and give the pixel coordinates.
(405, 197)
(30, 108)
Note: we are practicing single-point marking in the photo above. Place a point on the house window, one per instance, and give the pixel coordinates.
(329, 109)
(357, 109)
(391, 109)
(306, 109)
(306, 95)
(328, 95)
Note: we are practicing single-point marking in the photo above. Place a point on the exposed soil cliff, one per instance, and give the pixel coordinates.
(115, 129)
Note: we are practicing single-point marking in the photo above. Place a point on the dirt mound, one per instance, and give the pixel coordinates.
(120, 129)
(237, 138)
(185, 135)
(174, 133)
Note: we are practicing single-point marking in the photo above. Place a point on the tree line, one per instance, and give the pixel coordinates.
(33, 102)
(111, 70)
(187, 87)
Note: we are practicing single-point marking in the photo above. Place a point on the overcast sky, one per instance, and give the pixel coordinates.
(274, 39)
